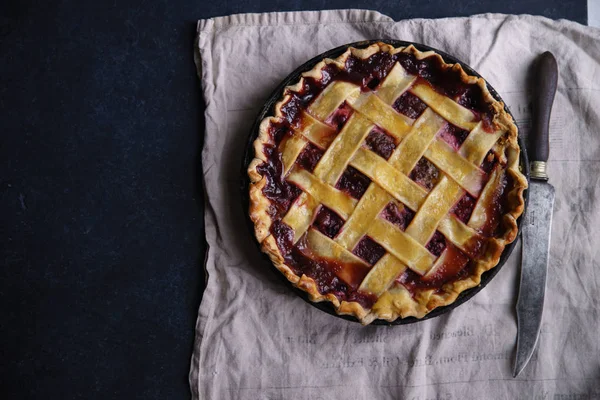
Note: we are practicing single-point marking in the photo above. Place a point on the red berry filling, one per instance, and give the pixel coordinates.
(353, 182)
(280, 192)
(284, 236)
(369, 250)
(340, 116)
(328, 222)
(370, 72)
(380, 142)
(324, 272)
(453, 135)
(489, 162)
(464, 207)
(409, 105)
(400, 217)
(309, 157)
(425, 174)
(311, 88)
(436, 244)
(456, 266)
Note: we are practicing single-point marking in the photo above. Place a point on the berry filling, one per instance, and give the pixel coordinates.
(309, 157)
(453, 135)
(284, 236)
(279, 131)
(489, 162)
(400, 217)
(425, 174)
(353, 182)
(338, 119)
(323, 271)
(446, 81)
(367, 73)
(369, 250)
(457, 266)
(280, 192)
(464, 207)
(409, 105)
(380, 142)
(311, 88)
(499, 206)
(436, 244)
(328, 222)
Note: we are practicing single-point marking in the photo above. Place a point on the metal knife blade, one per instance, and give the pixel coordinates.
(537, 224)
(535, 249)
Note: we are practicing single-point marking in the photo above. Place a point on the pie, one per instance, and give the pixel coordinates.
(386, 182)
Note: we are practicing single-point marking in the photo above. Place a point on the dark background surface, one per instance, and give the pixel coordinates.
(101, 227)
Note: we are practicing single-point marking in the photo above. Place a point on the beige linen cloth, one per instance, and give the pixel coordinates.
(255, 340)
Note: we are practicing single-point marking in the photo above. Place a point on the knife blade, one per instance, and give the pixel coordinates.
(537, 222)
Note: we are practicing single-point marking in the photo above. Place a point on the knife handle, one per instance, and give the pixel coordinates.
(545, 81)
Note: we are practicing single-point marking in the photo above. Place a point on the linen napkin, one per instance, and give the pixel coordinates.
(256, 340)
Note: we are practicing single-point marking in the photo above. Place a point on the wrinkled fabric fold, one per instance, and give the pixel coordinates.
(256, 340)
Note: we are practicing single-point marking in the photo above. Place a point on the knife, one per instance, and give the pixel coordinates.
(538, 219)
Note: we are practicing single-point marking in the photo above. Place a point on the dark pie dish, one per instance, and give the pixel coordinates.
(384, 181)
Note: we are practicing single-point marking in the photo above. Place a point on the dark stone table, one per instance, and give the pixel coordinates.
(101, 227)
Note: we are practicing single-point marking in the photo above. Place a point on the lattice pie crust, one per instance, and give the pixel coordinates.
(478, 241)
